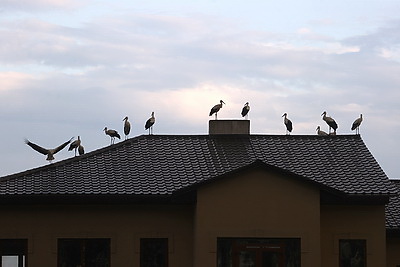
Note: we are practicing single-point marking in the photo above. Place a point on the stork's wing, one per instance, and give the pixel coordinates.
(127, 127)
(245, 110)
(39, 149)
(148, 124)
(60, 147)
(73, 145)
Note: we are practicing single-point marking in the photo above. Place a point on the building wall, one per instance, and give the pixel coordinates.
(124, 225)
(353, 222)
(257, 204)
(393, 248)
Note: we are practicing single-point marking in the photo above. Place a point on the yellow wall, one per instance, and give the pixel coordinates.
(353, 222)
(260, 204)
(125, 225)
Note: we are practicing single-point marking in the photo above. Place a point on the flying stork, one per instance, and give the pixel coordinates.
(49, 152)
(245, 110)
(216, 108)
(149, 123)
(356, 124)
(331, 122)
(320, 132)
(75, 145)
(112, 134)
(288, 124)
(127, 127)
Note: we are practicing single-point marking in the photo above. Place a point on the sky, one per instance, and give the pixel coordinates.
(70, 68)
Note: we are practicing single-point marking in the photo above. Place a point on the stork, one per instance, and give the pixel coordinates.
(74, 145)
(245, 110)
(81, 150)
(320, 132)
(331, 122)
(356, 124)
(288, 124)
(216, 108)
(127, 127)
(45, 151)
(149, 123)
(112, 134)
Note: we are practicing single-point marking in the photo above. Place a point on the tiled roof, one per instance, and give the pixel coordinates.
(393, 210)
(164, 164)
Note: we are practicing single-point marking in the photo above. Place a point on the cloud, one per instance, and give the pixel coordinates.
(39, 5)
(62, 81)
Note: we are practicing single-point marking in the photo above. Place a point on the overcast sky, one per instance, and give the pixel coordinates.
(70, 68)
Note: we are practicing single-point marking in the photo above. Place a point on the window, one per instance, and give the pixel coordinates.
(154, 252)
(13, 252)
(92, 252)
(258, 252)
(352, 252)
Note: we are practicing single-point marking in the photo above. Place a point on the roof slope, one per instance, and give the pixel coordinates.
(392, 210)
(163, 164)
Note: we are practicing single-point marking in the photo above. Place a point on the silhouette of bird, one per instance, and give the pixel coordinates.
(245, 110)
(149, 123)
(112, 134)
(356, 124)
(216, 108)
(331, 122)
(288, 124)
(45, 151)
(127, 127)
(81, 150)
(320, 132)
(75, 144)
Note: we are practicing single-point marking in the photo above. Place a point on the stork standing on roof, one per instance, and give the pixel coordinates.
(149, 123)
(320, 132)
(245, 110)
(331, 123)
(49, 152)
(356, 124)
(216, 108)
(112, 134)
(75, 145)
(288, 124)
(127, 127)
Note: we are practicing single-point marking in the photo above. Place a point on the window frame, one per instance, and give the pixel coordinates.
(163, 241)
(349, 250)
(82, 244)
(10, 247)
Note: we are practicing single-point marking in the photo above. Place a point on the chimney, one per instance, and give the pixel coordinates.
(229, 127)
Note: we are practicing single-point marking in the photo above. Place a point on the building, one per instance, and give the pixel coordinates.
(393, 228)
(224, 199)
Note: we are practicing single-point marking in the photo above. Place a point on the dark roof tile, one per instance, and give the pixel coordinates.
(163, 164)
